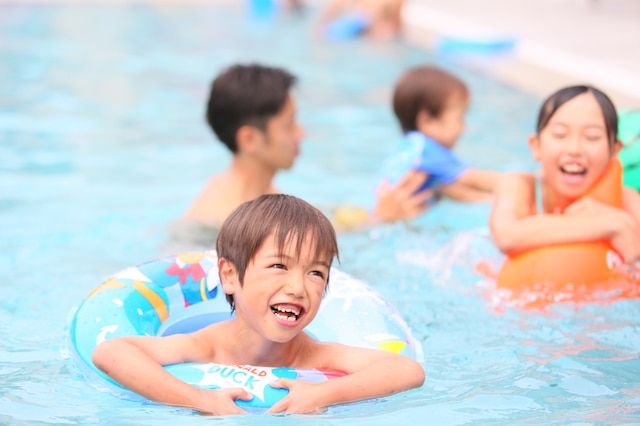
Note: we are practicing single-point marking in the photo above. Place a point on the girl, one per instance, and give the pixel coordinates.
(574, 143)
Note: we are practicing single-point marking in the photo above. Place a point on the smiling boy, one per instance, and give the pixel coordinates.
(274, 259)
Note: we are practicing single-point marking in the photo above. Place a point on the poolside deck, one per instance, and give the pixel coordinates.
(556, 42)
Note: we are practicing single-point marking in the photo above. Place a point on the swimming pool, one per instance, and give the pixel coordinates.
(103, 143)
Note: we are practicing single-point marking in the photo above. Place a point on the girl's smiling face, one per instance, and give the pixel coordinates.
(573, 147)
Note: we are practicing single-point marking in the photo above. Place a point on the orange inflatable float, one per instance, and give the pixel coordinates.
(569, 267)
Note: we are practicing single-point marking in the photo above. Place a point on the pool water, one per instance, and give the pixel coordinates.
(103, 144)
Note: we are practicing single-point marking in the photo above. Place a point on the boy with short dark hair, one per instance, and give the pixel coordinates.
(252, 112)
(274, 258)
(430, 104)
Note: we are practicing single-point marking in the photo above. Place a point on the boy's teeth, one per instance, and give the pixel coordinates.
(290, 318)
(286, 313)
(287, 309)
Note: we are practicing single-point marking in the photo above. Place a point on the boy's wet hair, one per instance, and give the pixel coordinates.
(425, 88)
(246, 95)
(289, 218)
(562, 96)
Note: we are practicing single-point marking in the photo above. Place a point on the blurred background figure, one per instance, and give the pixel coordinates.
(267, 10)
(341, 19)
(430, 105)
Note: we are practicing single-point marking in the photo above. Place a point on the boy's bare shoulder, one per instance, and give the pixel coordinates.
(208, 343)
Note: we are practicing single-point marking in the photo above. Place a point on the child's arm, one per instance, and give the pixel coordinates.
(483, 180)
(473, 185)
(136, 363)
(371, 373)
(462, 192)
(459, 181)
(331, 11)
(516, 227)
(625, 228)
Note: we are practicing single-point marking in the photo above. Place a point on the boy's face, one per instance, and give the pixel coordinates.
(282, 292)
(448, 126)
(282, 138)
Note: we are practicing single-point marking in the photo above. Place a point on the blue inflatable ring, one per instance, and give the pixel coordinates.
(182, 293)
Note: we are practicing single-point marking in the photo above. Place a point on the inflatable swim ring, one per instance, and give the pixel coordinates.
(629, 135)
(182, 293)
(349, 216)
(561, 265)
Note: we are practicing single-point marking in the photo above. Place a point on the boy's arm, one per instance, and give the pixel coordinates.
(463, 192)
(331, 11)
(483, 180)
(473, 185)
(136, 363)
(371, 373)
(516, 227)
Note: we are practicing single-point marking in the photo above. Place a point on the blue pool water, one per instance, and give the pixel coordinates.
(103, 144)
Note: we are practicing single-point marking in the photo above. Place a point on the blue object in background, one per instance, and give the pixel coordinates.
(262, 9)
(347, 26)
(475, 46)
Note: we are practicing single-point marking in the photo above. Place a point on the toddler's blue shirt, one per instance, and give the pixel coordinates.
(419, 152)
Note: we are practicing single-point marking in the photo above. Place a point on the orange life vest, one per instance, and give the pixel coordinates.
(578, 264)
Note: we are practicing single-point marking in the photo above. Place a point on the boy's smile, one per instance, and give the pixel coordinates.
(287, 313)
(282, 292)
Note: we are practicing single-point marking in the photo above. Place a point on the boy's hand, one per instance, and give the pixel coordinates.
(221, 402)
(303, 398)
(400, 201)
